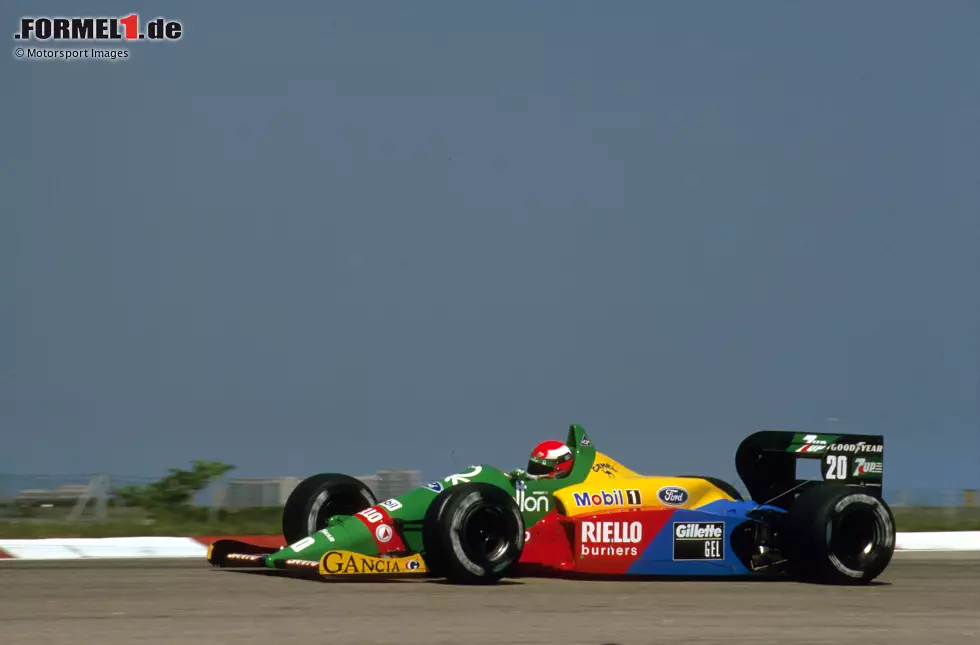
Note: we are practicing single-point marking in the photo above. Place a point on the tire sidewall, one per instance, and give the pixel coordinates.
(313, 509)
(455, 559)
(814, 517)
(883, 550)
(478, 565)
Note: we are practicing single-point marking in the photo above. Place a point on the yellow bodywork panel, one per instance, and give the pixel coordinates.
(605, 468)
(613, 487)
(348, 563)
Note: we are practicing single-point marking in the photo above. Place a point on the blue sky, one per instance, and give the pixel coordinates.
(342, 236)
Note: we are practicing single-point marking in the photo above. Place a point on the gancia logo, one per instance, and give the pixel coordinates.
(672, 495)
(335, 562)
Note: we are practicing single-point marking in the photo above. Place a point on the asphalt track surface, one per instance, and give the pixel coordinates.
(928, 598)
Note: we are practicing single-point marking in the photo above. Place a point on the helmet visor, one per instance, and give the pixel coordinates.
(538, 467)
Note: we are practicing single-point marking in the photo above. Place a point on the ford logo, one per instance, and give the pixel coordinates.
(672, 495)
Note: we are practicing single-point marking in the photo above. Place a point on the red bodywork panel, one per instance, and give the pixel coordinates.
(379, 522)
(600, 543)
(548, 544)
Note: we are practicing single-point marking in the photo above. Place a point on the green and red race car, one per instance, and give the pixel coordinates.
(602, 519)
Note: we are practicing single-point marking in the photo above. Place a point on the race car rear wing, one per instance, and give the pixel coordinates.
(766, 462)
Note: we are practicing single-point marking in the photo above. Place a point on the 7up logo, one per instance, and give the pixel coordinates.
(866, 468)
(813, 443)
(533, 503)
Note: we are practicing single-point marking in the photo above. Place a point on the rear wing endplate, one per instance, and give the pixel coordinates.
(766, 462)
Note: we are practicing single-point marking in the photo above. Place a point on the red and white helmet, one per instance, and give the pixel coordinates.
(550, 460)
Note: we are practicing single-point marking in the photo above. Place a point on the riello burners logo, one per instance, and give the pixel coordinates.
(97, 29)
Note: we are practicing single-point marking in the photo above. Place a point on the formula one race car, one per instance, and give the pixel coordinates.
(601, 518)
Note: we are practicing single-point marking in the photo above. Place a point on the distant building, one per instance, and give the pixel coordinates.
(249, 493)
(392, 482)
(67, 494)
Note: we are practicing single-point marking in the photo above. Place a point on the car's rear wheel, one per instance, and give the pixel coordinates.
(320, 497)
(473, 533)
(839, 535)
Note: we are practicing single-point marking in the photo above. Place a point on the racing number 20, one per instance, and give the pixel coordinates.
(836, 466)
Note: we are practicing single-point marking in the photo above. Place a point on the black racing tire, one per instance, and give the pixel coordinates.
(320, 497)
(839, 534)
(434, 564)
(473, 533)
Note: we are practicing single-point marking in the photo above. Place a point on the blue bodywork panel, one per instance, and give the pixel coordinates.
(697, 542)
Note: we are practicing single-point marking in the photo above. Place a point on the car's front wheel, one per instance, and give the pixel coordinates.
(473, 534)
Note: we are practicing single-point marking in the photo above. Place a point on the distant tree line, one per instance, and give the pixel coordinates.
(175, 491)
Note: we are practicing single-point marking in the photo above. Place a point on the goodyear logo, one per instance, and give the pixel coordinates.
(616, 497)
(349, 563)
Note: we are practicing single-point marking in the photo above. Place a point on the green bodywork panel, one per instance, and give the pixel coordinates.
(534, 498)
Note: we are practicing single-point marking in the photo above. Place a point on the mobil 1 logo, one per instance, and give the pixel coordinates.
(699, 540)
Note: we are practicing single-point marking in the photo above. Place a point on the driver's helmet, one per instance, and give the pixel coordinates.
(550, 460)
